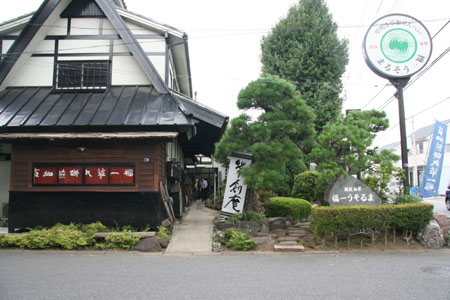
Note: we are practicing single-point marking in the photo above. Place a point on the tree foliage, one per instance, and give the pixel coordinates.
(304, 48)
(345, 148)
(278, 139)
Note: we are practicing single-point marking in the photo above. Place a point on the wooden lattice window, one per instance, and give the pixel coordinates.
(78, 75)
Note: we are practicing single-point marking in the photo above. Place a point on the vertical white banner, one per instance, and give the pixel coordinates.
(235, 190)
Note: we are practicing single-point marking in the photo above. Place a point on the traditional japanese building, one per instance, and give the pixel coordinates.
(96, 114)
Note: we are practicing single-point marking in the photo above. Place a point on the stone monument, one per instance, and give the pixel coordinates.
(348, 191)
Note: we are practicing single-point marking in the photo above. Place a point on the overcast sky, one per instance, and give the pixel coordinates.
(224, 44)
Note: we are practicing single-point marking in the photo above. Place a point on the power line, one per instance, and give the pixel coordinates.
(415, 115)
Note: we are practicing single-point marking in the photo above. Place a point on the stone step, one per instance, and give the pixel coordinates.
(279, 232)
(298, 235)
(288, 248)
(287, 243)
(301, 225)
(300, 231)
(288, 238)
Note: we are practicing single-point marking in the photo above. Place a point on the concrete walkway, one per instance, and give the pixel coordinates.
(193, 234)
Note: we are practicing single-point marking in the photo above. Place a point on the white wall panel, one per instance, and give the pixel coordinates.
(106, 57)
(35, 71)
(153, 45)
(59, 27)
(160, 64)
(135, 29)
(6, 45)
(108, 28)
(126, 71)
(85, 26)
(46, 46)
(120, 47)
(83, 46)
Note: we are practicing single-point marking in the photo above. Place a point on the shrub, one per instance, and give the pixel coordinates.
(69, 237)
(305, 186)
(123, 240)
(298, 209)
(240, 241)
(403, 199)
(248, 216)
(162, 233)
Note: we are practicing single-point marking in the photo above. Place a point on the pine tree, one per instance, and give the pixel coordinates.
(278, 139)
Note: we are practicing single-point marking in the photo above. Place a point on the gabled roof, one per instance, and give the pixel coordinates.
(109, 9)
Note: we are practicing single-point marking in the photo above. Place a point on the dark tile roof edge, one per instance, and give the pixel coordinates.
(198, 104)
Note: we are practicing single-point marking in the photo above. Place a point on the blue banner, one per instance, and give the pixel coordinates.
(430, 179)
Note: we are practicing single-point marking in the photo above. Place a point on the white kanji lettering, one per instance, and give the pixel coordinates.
(363, 198)
(335, 198)
(37, 172)
(48, 174)
(74, 172)
(429, 186)
(101, 173)
(62, 173)
(128, 172)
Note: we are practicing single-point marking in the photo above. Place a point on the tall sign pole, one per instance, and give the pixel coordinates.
(400, 84)
(396, 47)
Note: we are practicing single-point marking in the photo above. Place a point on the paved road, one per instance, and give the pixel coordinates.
(122, 275)
(439, 205)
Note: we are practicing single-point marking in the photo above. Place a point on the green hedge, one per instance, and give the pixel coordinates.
(298, 209)
(350, 220)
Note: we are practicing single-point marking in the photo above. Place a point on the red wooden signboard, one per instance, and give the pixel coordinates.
(70, 175)
(96, 175)
(45, 175)
(82, 174)
(122, 175)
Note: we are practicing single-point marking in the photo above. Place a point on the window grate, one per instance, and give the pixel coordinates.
(78, 75)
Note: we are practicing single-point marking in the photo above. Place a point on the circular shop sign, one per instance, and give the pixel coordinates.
(397, 46)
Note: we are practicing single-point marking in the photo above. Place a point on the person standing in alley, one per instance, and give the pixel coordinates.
(204, 189)
(196, 189)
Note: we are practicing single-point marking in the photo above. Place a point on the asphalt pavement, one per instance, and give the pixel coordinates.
(130, 275)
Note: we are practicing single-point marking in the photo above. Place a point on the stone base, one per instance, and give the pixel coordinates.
(288, 248)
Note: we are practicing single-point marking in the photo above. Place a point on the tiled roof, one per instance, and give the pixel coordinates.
(24, 108)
